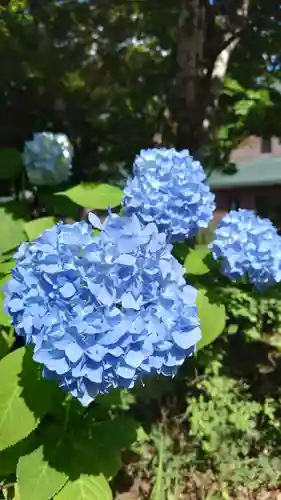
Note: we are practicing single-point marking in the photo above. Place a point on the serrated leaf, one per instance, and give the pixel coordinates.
(10, 163)
(12, 231)
(37, 479)
(94, 196)
(35, 228)
(24, 396)
(195, 260)
(109, 438)
(74, 447)
(86, 488)
(86, 451)
(212, 319)
(10, 456)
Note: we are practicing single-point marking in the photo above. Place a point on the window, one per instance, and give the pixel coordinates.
(266, 145)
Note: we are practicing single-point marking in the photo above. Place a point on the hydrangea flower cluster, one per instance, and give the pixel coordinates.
(248, 245)
(169, 189)
(102, 311)
(48, 159)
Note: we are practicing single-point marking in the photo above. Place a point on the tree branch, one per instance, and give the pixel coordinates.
(230, 42)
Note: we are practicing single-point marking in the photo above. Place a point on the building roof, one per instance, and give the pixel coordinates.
(262, 171)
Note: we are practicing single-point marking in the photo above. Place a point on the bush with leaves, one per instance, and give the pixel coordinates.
(226, 443)
(251, 313)
(101, 308)
(234, 435)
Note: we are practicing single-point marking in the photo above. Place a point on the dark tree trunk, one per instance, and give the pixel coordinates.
(207, 37)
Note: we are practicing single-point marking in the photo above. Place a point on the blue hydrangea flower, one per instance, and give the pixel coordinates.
(169, 188)
(48, 159)
(102, 311)
(248, 245)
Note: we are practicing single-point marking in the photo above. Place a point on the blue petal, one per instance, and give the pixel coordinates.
(67, 290)
(134, 358)
(94, 220)
(126, 372)
(74, 352)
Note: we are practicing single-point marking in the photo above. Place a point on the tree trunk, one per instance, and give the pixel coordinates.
(204, 49)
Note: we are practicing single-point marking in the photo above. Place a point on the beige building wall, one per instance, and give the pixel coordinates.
(250, 149)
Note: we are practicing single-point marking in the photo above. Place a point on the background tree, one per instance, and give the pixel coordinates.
(121, 75)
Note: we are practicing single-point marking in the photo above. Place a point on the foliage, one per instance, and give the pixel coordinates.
(36, 449)
(46, 438)
(52, 454)
(12, 233)
(95, 196)
(120, 83)
(229, 428)
(226, 445)
(195, 260)
(251, 313)
(41, 454)
(108, 93)
(212, 318)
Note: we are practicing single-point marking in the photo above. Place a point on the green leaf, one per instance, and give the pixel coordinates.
(194, 262)
(5, 267)
(233, 86)
(110, 400)
(37, 479)
(180, 251)
(35, 228)
(4, 344)
(88, 452)
(86, 488)
(243, 106)
(58, 205)
(5, 319)
(16, 493)
(12, 231)
(74, 447)
(94, 196)
(10, 456)
(24, 396)
(10, 163)
(212, 318)
(19, 210)
(109, 438)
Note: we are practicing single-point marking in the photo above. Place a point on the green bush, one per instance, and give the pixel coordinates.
(251, 313)
(234, 435)
(228, 440)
